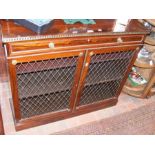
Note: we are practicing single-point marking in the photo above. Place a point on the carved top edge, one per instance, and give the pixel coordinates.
(27, 38)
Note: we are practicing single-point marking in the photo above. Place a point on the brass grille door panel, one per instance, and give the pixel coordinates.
(105, 73)
(46, 86)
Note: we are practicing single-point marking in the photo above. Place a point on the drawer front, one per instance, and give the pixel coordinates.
(44, 86)
(104, 72)
(18, 48)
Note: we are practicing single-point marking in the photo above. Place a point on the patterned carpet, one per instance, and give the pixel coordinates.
(140, 121)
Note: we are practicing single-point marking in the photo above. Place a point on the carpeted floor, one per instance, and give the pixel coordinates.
(139, 121)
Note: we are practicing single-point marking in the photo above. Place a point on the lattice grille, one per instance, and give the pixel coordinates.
(104, 77)
(41, 104)
(98, 92)
(45, 86)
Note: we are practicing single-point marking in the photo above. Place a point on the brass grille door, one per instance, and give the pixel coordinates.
(46, 85)
(104, 71)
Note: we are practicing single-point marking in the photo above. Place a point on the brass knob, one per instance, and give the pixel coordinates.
(87, 64)
(80, 54)
(14, 62)
(51, 45)
(91, 53)
(119, 40)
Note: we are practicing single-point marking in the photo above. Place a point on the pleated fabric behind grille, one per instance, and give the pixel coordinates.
(104, 76)
(45, 86)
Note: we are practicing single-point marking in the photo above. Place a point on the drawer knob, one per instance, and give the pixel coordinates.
(14, 62)
(51, 45)
(119, 40)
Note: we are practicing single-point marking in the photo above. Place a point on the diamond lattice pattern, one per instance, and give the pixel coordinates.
(45, 86)
(104, 76)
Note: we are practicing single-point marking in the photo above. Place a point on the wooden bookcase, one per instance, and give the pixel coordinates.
(55, 77)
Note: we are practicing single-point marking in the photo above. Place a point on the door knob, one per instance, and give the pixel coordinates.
(80, 54)
(91, 53)
(86, 65)
(14, 62)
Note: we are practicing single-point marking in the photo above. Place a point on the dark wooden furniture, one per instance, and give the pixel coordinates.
(150, 87)
(70, 69)
(145, 90)
(149, 74)
(146, 67)
(2, 71)
(1, 124)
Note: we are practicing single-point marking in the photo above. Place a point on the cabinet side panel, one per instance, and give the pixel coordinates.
(3, 72)
(1, 124)
(2, 77)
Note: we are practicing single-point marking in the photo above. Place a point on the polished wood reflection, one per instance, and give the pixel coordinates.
(10, 29)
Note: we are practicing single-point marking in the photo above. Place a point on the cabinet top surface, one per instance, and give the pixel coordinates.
(58, 29)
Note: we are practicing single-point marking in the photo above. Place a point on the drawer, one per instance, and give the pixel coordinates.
(71, 43)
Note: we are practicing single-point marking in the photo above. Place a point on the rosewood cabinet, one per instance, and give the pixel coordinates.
(57, 76)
